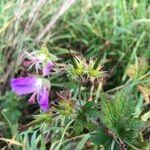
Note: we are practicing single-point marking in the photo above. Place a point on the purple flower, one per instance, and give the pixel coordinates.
(38, 86)
(33, 61)
(47, 68)
(40, 61)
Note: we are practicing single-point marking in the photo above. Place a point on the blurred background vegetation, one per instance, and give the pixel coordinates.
(85, 25)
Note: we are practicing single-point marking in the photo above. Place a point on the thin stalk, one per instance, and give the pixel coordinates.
(132, 146)
(70, 139)
(144, 76)
(91, 93)
(79, 95)
(120, 87)
(62, 137)
(98, 91)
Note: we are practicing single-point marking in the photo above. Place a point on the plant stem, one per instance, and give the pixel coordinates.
(91, 93)
(62, 137)
(113, 145)
(79, 95)
(98, 92)
(132, 146)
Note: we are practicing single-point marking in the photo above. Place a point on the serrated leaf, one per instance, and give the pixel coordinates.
(117, 116)
(92, 113)
(90, 126)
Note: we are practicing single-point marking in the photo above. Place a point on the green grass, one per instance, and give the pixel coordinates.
(85, 26)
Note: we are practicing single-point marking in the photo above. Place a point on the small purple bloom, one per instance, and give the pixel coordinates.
(37, 86)
(47, 68)
(39, 61)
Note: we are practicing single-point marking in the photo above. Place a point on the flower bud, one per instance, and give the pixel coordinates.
(65, 104)
(65, 107)
(77, 71)
(94, 73)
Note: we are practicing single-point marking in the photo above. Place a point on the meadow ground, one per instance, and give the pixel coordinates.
(90, 108)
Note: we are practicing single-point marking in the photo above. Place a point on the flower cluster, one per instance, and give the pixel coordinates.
(39, 86)
(80, 70)
(36, 85)
(83, 71)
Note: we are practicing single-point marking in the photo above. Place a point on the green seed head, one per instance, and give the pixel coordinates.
(92, 72)
(76, 71)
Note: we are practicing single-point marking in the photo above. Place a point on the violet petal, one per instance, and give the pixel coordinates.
(24, 85)
(47, 68)
(43, 99)
(32, 98)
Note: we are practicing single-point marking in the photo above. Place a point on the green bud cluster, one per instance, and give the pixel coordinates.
(82, 68)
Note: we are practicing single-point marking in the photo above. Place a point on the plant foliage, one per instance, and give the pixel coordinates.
(117, 115)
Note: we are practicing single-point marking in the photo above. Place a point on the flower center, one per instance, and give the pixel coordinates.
(39, 83)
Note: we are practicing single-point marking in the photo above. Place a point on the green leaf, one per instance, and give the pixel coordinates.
(139, 106)
(100, 138)
(71, 85)
(10, 107)
(45, 51)
(146, 116)
(88, 105)
(117, 115)
(33, 141)
(92, 113)
(78, 126)
(81, 144)
(52, 57)
(90, 126)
